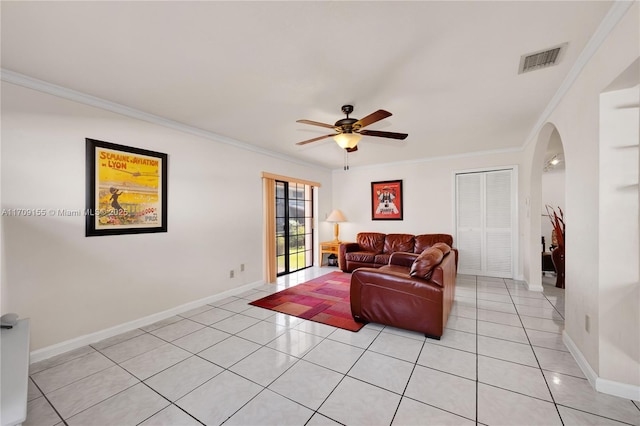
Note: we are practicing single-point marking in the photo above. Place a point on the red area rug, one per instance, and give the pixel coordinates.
(324, 299)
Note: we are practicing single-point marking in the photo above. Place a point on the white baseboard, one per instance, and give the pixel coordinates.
(87, 339)
(610, 387)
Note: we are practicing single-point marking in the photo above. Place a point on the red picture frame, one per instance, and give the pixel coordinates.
(386, 200)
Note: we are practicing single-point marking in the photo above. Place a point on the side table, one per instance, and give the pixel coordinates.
(329, 247)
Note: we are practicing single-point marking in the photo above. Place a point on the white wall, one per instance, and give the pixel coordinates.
(428, 190)
(70, 285)
(619, 295)
(577, 120)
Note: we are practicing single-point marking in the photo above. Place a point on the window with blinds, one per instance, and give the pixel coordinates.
(485, 221)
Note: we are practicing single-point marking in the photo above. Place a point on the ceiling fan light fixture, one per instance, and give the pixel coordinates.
(347, 140)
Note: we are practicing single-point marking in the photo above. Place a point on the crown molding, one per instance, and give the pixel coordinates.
(609, 22)
(83, 98)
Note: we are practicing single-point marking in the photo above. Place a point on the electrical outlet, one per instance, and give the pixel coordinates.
(242, 267)
(231, 273)
(587, 323)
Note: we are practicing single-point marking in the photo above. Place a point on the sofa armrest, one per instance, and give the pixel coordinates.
(400, 258)
(344, 249)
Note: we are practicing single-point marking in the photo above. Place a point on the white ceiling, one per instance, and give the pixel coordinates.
(248, 70)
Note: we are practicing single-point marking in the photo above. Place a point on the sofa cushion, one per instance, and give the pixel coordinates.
(360, 256)
(423, 266)
(444, 248)
(382, 259)
(424, 241)
(371, 241)
(398, 242)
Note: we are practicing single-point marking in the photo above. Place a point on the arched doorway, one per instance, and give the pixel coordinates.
(548, 145)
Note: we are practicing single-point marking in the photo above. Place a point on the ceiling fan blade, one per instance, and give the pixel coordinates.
(380, 134)
(316, 123)
(372, 118)
(354, 149)
(315, 139)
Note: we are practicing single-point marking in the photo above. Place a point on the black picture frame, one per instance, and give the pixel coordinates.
(126, 190)
(386, 200)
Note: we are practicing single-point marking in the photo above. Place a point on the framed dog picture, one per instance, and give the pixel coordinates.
(126, 189)
(386, 200)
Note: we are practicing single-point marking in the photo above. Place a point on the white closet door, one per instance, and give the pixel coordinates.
(485, 214)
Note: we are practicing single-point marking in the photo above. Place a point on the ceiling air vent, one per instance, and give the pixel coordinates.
(542, 59)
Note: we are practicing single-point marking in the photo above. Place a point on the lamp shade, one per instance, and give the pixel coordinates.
(336, 216)
(347, 140)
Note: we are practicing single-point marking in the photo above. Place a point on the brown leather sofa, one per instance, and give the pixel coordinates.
(373, 249)
(403, 295)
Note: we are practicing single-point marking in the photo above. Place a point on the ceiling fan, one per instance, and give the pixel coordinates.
(350, 130)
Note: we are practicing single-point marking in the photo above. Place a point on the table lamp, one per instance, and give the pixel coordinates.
(336, 217)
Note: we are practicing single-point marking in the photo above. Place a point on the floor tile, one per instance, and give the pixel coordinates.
(264, 365)
(467, 325)
(494, 297)
(502, 407)
(171, 416)
(152, 362)
(545, 339)
(177, 329)
(306, 383)
(558, 361)
(295, 342)
(219, 398)
(32, 390)
(41, 413)
(397, 346)
(357, 403)
(571, 417)
(315, 328)
(132, 347)
(195, 311)
(235, 323)
(60, 359)
(546, 313)
(541, 324)
(129, 407)
(229, 351)
(201, 339)
(442, 390)
(514, 377)
(270, 409)
(380, 370)
(361, 339)
(211, 316)
(103, 344)
(284, 320)
(449, 360)
(501, 331)
(416, 335)
(413, 412)
(260, 313)
(237, 306)
(320, 420)
(457, 340)
(337, 356)
(84, 393)
(499, 317)
(71, 371)
(159, 324)
(262, 332)
(497, 306)
(507, 351)
(577, 393)
(180, 379)
(464, 311)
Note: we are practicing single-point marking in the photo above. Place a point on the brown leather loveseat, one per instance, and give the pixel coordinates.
(413, 292)
(373, 249)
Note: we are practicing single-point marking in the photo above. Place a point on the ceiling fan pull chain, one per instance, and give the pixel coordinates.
(346, 160)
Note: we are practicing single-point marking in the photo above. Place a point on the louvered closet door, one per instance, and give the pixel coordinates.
(485, 212)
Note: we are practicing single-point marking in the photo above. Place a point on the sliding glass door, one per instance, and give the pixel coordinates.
(294, 226)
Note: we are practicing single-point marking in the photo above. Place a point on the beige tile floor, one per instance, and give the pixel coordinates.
(501, 361)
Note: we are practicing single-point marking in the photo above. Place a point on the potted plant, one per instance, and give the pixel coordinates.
(557, 254)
